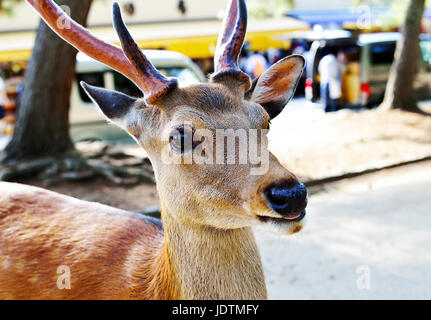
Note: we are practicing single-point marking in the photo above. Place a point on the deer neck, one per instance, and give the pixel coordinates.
(210, 263)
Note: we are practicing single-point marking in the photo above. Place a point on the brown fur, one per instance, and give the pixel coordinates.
(113, 254)
(106, 249)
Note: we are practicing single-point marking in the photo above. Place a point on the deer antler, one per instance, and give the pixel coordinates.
(230, 42)
(132, 63)
(155, 84)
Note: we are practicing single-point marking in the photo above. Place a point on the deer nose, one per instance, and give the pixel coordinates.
(289, 201)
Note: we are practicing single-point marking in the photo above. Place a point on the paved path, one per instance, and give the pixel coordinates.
(375, 227)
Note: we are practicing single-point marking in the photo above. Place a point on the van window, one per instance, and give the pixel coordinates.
(126, 86)
(185, 76)
(382, 53)
(93, 78)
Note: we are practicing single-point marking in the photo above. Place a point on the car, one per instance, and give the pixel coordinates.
(377, 56)
(369, 58)
(87, 121)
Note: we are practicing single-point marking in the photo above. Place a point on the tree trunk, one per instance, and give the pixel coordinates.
(399, 89)
(42, 127)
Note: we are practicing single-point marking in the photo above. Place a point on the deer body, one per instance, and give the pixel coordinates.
(210, 195)
(114, 254)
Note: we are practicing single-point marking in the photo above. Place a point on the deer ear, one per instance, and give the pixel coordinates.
(114, 105)
(276, 86)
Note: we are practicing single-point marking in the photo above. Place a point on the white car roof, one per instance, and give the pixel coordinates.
(159, 58)
(366, 38)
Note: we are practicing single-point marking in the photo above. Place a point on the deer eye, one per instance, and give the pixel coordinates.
(181, 140)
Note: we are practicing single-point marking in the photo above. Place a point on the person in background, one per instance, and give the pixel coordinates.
(4, 99)
(19, 90)
(330, 81)
(300, 48)
(273, 55)
(256, 64)
(243, 57)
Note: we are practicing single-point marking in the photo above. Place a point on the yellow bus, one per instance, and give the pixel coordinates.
(195, 39)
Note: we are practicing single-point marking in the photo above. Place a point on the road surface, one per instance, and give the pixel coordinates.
(365, 238)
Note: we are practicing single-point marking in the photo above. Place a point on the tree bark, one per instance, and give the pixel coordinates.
(42, 127)
(399, 89)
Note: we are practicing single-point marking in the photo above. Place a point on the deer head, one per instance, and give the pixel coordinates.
(201, 182)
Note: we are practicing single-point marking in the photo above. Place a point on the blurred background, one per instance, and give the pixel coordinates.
(357, 132)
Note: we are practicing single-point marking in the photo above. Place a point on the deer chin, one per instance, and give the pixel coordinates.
(282, 225)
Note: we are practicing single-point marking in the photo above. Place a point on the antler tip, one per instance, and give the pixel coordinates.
(116, 12)
(230, 42)
(83, 84)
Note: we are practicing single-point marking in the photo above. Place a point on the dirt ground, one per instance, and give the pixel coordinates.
(135, 198)
(311, 144)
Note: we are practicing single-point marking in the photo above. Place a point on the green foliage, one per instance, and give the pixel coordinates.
(268, 8)
(6, 6)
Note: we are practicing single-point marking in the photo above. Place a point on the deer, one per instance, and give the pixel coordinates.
(203, 247)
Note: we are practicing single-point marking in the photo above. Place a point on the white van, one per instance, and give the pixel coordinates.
(370, 57)
(86, 120)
